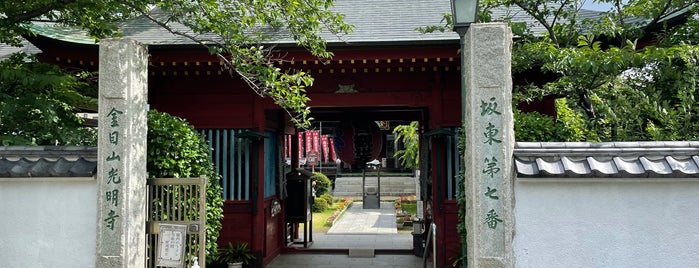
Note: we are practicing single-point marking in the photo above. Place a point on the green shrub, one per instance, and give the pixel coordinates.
(536, 127)
(240, 252)
(176, 150)
(322, 184)
(568, 125)
(320, 204)
(409, 136)
(328, 199)
(572, 124)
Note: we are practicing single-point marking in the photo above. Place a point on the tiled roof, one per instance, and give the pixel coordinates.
(375, 21)
(393, 20)
(7, 50)
(47, 161)
(607, 160)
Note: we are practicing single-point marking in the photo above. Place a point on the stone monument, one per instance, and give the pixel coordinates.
(488, 124)
(121, 151)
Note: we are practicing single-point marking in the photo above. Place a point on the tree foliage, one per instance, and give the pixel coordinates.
(176, 150)
(534, 126)
(409, 136)
(242, 27)
(98, 17)
(36, 95)
(629, 75)
(233, 30)
(626, 74)
(608, 87)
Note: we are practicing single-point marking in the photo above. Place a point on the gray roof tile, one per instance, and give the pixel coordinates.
(47, 161)
(607, 160)
(578, 167)
(600, 167)
(629, 167)
(550, 168)
(6, 50)
(375, 21)
(687, 166)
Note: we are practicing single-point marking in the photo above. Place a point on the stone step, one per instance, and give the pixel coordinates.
(390, 186)
(361, 253)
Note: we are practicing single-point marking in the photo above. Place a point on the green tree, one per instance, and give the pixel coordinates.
(176, 150)
(608, 87)
(409, 136)
(627, 74)
(36, 95)
(621, 90)
(233, 30)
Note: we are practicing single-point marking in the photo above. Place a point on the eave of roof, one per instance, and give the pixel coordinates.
(607, 159)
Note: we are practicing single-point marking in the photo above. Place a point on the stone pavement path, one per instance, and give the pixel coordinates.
(359, 229)
(344, 261)
(347, 241)
(357, 220)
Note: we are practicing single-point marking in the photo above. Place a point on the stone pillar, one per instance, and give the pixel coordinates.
(488, 124)
(121, 151)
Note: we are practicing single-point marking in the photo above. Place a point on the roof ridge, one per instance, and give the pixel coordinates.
(87, 152)
(637, 148)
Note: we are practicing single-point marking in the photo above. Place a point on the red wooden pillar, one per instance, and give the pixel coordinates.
(438, 201)
(258, 217)
(438, 198)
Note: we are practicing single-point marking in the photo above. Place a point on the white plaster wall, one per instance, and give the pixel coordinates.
(48, 223)
(607, 224)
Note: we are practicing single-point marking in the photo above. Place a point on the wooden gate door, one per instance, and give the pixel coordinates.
(180, 202)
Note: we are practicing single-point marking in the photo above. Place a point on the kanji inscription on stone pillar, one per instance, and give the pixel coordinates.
(489, 133)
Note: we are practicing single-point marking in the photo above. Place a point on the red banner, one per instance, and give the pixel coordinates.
(333, 156)
(316, 140)
(300, 138)
(309, 138)
(324, 140)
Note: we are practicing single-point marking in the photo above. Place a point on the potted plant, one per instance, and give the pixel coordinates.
(236, 255)
(399, 222)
